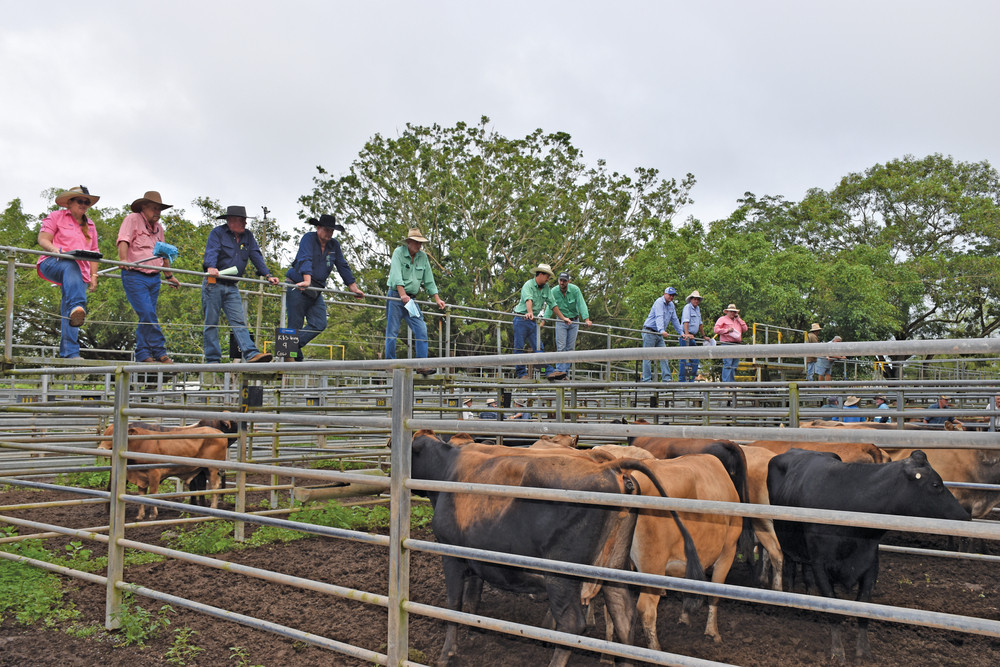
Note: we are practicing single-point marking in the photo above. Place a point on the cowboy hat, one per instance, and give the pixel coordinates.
(732, 307)
(62, 199)
(944, 397)
(815, 327)
(693, 295)
(415, 235)
(326, 220)
(233, 211)
(543, 268)
(881, 398)
(151, 196)
(851, 400)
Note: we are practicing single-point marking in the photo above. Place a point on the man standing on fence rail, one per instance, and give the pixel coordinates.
(409, 272)
(230, 246)
(730, 328)
(654, 332)
(569, 299)
(137, 237)
(536, 295)
(691, 322)
(811, 337)
(319, 253)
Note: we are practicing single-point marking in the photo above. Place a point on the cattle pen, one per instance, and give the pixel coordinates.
(299, 414)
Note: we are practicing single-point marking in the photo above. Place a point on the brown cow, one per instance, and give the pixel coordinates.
(657, 546)
(204, 443)
(973, 466)
(908, 426)
(849, 452)
(771, 560)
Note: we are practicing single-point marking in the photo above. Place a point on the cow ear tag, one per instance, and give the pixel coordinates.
(918, 475)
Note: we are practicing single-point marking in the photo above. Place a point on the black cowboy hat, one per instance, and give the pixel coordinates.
(233, 211)
(326, 220)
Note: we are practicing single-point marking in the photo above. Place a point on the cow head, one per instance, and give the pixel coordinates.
(925, 493)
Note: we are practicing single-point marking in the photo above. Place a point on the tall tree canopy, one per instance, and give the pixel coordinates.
(493, 208)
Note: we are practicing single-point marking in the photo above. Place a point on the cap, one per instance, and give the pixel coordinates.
(670, 290)
(563, 276)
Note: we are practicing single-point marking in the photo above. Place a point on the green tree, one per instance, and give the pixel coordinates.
(493, 207)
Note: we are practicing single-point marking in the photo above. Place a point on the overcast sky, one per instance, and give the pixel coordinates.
(240, 101)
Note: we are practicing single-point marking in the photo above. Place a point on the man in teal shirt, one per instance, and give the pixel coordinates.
(409, 271)
(569, 299)
(536, 296)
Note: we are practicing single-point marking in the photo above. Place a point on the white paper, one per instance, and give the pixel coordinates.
(231, 271)
(412, 308)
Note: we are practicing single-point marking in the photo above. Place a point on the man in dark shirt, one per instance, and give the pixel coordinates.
(230, 246)
(318, 254)
(942, 404)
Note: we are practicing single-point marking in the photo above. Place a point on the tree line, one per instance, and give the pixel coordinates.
(905, 249)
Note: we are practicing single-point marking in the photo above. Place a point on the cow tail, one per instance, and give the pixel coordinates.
(694, 570)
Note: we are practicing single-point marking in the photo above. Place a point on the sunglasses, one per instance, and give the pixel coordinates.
(81, 201)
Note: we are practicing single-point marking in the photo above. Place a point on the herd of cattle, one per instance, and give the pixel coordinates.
(835, 476)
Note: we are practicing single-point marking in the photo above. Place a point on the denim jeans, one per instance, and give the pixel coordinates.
(526, 331)
(308, 307)
(395, 312)
(142, 291)
(688, 367)
(729, 367)
(651, 339)
(74, 293)
(225, 299)
(566, 340)
(810, 370)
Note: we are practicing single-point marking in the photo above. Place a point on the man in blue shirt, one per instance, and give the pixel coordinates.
(691, 321)
(654, 331)
(943, 403)
(318, 254)
(230, 246)
(882, 403)
(852, 403)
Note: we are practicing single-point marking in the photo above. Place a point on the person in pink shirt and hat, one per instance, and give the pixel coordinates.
(66, 231)
(730, 329)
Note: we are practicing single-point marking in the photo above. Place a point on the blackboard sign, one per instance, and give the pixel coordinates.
(286, 342)
(251, 397)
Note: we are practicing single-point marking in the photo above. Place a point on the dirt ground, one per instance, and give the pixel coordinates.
(752, 634)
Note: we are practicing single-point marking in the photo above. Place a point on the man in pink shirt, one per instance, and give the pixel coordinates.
(137, 237)
(730, 329)
(66, 231)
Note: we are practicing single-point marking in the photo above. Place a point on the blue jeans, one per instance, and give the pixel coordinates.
(395, 312)
(142, 291)
(74, 293)
(729, 367)
(566, 340)
(688, 368)
(308, 307)
(526, 331)
(651, 339)
(226, 299)
(810, 370)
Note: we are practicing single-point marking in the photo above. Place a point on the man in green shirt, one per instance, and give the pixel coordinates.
(569, 299)
(409, 271)
(536, 296)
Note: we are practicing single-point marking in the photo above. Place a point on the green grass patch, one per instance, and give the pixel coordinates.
(27, 593)
(85, 480)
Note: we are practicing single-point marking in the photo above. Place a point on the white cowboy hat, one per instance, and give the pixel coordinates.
(62, 199)
(851, 400)
(731, 307)
(415, 235)
(543, 268)
(693, 295)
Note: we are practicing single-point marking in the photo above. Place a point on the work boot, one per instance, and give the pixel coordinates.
(77, 316)
(259, 358)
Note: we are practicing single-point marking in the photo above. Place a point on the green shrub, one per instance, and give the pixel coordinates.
(137, 624)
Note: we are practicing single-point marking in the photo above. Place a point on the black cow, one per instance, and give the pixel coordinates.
(846, 555)
(579, 533)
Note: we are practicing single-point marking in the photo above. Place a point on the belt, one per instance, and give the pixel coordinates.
(651, 329)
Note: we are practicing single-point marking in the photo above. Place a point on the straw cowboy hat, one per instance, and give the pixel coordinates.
(693, 295)
(233, 211)
(326, 220)
(62, 199)
(851, 400)
(543, 268)
(815, 327)
(731, 307)
(415, 235)
(881, 398)
(152, 197)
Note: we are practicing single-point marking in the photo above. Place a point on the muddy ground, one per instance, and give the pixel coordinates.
(752, 634)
